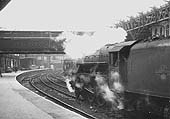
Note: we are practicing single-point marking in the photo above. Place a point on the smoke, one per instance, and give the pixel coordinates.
(116, 82)
(78, 46)
(68, 79)
(104, 89)
(118, 87)
(109, 95)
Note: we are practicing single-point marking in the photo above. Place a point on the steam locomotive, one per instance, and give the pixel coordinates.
(144, 69)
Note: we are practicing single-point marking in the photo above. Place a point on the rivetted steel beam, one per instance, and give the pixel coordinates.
(32, 52)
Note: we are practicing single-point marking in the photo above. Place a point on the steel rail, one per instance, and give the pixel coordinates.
(60, 91)
(61, 102)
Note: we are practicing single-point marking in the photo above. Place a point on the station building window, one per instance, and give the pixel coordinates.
(156, 31)
(45, 58)
(167, 30)
(39, 58)
(161, 31)
(114, 59)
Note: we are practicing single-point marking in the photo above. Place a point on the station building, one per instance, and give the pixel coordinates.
(152, 25)
(9, 62)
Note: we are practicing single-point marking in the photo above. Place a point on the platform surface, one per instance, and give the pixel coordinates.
(18, 102)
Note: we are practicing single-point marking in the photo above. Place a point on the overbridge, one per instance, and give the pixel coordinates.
(30, 42)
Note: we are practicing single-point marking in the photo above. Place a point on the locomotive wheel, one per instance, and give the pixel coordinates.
(166, 112)
(100, 101)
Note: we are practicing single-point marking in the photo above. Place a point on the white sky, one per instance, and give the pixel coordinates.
(70, 15)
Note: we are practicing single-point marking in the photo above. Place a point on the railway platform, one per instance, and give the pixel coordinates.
(18, 102)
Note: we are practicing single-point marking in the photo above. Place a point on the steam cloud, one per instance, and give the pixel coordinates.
(108, 95)
(68, 79)
(116, 82)
(118, 87)
(79, 46)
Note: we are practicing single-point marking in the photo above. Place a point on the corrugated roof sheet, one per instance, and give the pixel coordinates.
(119, 46)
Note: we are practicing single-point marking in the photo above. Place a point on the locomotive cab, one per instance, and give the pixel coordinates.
(118, 56)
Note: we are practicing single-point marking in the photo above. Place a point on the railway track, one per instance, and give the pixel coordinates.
(55, 86)
(52, 86)
(57, 81)
(42, 83)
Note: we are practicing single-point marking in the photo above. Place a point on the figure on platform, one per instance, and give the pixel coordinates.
(0, 72)
(15, 69)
